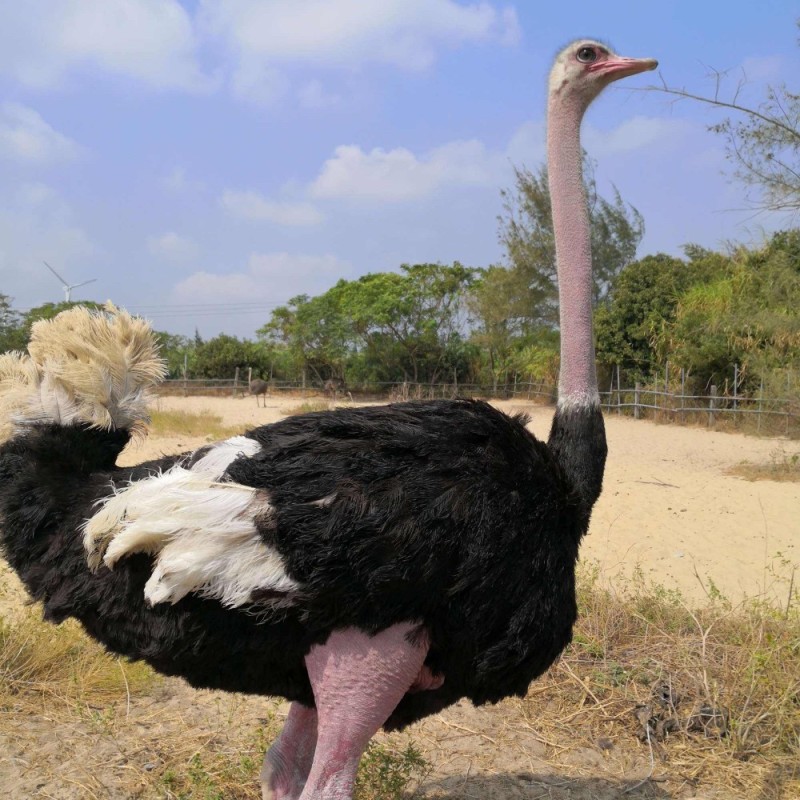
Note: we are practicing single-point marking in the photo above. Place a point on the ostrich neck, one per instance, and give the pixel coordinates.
(577, 384)
(577, 438)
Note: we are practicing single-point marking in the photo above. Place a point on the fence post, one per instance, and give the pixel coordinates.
(760, 404)
(683, 393)
(235, 382)
(735, 394)
(712, 404)
(636, 412)
(185, 374)
(619, 393)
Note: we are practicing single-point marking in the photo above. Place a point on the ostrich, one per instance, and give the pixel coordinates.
(334, 386)
(259, 387)
(370, 565)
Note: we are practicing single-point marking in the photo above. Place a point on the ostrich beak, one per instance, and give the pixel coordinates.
(618, 67)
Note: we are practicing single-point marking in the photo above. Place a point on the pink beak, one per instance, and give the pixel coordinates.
(620, 67)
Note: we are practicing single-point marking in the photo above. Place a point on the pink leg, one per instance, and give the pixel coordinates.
(288, 761)
(357, 680)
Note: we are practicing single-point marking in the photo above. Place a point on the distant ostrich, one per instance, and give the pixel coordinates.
(334, 386)
(397, 558)
(259, 387)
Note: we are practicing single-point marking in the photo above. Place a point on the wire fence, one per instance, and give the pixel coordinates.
(661, 400)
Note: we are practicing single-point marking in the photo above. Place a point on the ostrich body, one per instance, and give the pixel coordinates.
(372, 565)
(259, 387)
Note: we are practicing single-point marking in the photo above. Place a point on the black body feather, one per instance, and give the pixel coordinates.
(449, 513)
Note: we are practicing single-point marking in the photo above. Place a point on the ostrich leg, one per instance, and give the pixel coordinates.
(357, 680)
(288, 762)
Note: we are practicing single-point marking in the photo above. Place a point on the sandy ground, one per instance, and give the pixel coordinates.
(669, 513)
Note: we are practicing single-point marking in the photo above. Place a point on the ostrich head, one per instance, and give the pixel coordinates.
(584, 68)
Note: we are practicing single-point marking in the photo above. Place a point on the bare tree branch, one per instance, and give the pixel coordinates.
(762, 141)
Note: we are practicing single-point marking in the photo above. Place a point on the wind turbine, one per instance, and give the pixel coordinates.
(67, 287)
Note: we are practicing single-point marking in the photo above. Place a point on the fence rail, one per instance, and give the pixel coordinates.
(759, 414)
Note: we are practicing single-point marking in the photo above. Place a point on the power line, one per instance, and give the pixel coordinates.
(195, 309)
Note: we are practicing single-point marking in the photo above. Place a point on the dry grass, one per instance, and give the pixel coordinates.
(710, 697)
(781, 467)
(712, 694)
(58, 666)
(177, 750)
(307, 408)
(187, 423)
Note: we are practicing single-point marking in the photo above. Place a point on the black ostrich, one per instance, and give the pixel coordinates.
(371, 565)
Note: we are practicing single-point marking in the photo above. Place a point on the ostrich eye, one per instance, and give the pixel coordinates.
(587, 55)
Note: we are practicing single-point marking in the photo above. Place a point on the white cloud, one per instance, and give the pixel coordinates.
(312, 95)
(762, 68)
(258, 83)
(255, 42)
(26, 137)
(633, 134)
(253, 206)
(41, 41)
(398, 175)
(178, 181)
(271, 277)
(265, 34)
(404, 33)
(528, 144)
(173, 247)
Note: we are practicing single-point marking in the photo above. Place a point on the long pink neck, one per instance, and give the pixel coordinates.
(577, 383)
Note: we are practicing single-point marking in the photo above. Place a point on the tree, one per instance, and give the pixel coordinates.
(526, 231)
(219, 357)
(499, 304)
(747, 315)
(15, 327)
(11, 335)
(642, 305)
(762, 142)
(314, 331)
(177, 351)
(412, 316)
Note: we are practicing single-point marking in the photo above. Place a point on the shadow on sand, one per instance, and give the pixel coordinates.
(529, 786)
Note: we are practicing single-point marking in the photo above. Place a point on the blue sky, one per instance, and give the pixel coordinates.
(207, 160)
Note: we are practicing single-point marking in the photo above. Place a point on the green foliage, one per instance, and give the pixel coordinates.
(384, 773)
(314, 333)
(50, 310)
(15, 327)
(220, 356)
(382, 326)
(747, 315)
(642, 304)
(707, 313)
(526, 231)
(178, 352)
(537, 357)
(10, 333)
(498, 303)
